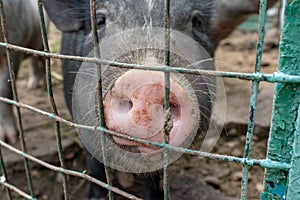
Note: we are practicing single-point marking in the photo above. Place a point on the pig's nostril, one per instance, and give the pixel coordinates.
(126, 105)
(130, 105)
(175, 110)
(122, 106)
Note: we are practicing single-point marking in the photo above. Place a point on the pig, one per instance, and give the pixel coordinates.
(133, 100)
(189, 18)
(230, 13)
(23, 26)
(225, 18)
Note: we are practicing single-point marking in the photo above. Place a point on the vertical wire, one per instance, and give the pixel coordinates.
(253, 98)
(51, 96)
(15, 98)
(2, 165)
(97, 54)
(167, 94)
(4, 174)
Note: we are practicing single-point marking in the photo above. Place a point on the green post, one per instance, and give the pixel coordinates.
(284, 132)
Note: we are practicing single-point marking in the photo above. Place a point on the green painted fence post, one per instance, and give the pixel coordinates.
(284, 141)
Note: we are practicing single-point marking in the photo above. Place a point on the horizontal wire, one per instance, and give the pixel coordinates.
(277, 77)
(265, 163)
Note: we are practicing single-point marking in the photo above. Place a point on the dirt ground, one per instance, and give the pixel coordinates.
(192, 178)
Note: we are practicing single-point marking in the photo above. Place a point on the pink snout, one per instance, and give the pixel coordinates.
(134, 106)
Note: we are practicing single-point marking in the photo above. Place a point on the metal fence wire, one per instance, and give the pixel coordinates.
(282, 170)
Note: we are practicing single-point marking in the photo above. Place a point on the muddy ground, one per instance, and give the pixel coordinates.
(191, 178)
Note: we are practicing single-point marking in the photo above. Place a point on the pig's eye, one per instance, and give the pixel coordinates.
(101, 20)
(197, 21)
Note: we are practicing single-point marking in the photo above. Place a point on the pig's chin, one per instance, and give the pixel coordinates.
(134, 107)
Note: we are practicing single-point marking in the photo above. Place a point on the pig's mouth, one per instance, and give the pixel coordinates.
(134, 106)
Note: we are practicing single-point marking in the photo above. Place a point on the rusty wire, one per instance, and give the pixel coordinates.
(277, 77)
(51, 97)
(16, 98)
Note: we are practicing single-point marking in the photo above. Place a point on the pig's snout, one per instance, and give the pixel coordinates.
(134, 106)
(134, 99)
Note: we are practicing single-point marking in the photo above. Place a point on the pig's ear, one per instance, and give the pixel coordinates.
(68, 15)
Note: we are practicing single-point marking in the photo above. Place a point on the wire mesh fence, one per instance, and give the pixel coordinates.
(281, 163)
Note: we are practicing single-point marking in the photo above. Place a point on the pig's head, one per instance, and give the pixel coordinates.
(190, 17)
(131, 32)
